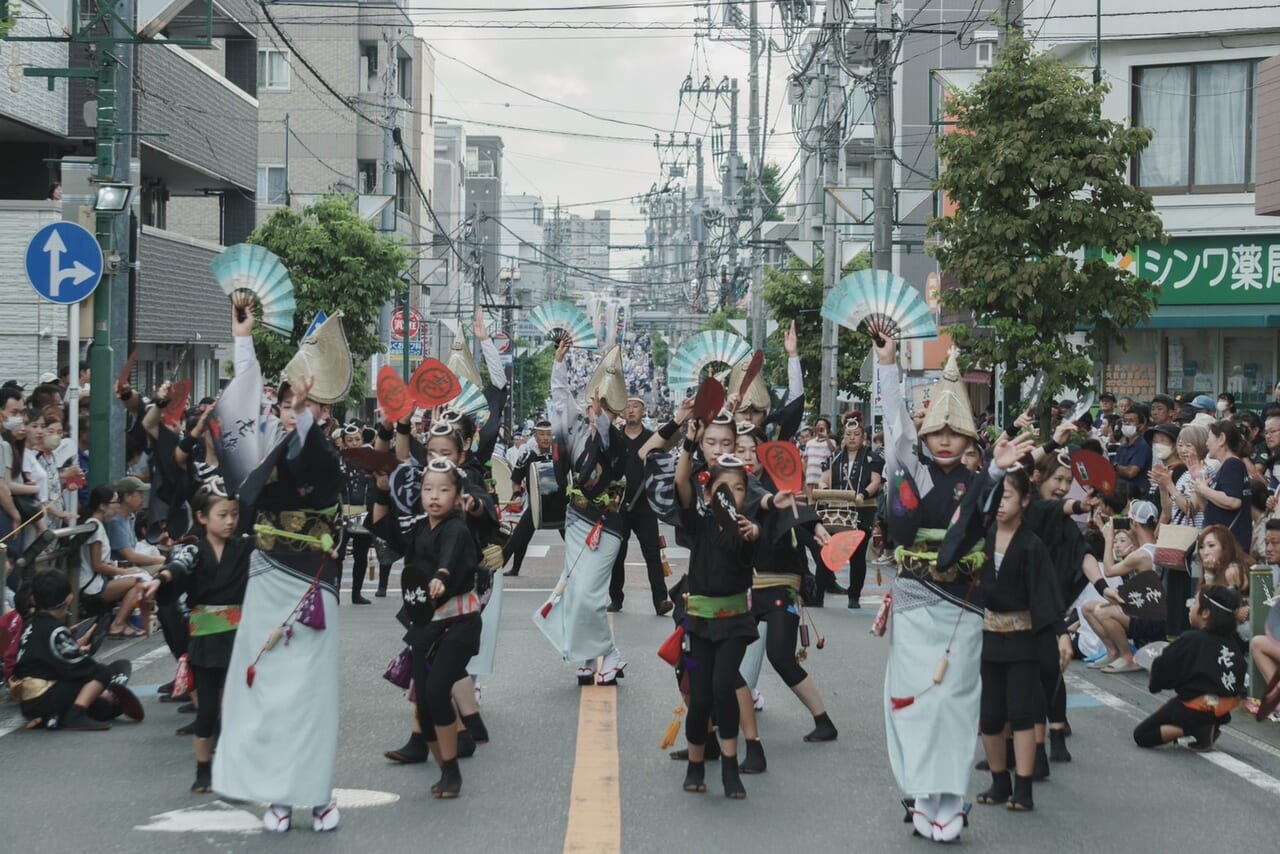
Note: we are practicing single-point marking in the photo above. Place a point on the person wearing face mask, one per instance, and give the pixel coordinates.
(1226, 405)
(1163, 439)
(11, 421)
(1133, 458)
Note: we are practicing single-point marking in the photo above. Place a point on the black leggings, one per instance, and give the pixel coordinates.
(1174, 713)
(858, 560)
(1051, 697)
(713, 680)
(434, 678)
(1009, 691)
(209, 682)
(360, 545)
(780, 645)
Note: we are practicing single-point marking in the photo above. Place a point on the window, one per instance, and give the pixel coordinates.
(273, 185)
(404, 78)
(273, 71)
(1202, 118)
(403, 186)
(367, 67)
(368, 171)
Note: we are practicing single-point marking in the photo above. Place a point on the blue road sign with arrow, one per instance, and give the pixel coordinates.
(64, 263)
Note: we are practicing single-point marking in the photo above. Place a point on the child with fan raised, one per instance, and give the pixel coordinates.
(932, 693)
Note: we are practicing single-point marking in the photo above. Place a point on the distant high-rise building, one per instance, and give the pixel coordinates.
(484, 202)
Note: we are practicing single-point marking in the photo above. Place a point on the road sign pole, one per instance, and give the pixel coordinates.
(73, 378)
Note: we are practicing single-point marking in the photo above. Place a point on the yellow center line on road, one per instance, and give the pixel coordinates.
(595, 798)
(595, 801)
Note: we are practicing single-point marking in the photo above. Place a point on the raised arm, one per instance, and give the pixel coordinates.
(899, 431)
(492, 359)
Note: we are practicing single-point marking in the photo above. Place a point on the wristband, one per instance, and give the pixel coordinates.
(383, 497)
(690, 446)
(127, 396)
(1011, 431)
(1051, 446)
(161, 404)
(403, 429)
(1101, 586)
(187, 444)
(384, 433)
(666, 431)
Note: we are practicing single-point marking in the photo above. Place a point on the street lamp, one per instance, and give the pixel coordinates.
(112, 198)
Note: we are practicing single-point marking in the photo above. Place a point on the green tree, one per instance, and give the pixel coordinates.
(771, 185)
(719, 320)
(532, 372)
(336, 261)
(1039, 178)
(661, 351)
(795, 294)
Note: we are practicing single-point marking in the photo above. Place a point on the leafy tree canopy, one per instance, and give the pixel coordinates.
(1041, 184)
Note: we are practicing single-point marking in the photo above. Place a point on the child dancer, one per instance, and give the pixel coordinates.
(441, 560)
(213, 573)
(1022, 603)
(1205, 668)
(719, 625)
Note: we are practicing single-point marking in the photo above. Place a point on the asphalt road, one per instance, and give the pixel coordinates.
(127, 789)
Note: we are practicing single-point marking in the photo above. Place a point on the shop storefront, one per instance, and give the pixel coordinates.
(1217, 327)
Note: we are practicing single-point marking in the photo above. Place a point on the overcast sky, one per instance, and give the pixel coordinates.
(631, 76)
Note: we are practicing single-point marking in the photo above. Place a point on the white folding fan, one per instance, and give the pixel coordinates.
(248, 273)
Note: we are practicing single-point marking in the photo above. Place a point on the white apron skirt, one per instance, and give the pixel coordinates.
(280, 738)
(577, 623)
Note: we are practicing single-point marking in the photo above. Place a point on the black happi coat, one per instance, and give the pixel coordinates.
(1025, 581)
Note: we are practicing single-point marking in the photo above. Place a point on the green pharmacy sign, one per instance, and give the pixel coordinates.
(1215, 270)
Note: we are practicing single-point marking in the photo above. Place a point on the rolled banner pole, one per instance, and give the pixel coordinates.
(1261, 590)
(322, 543)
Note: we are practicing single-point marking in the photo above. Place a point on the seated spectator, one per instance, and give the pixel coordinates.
(1205, 668)
(103, 583)
(55, 678)
(123, 527)
(1109, 621)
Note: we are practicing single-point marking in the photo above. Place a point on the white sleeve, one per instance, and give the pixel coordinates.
(564, 409)
(899, 431)
(795, 379)
(299, 438)
(493, 363)
(243, 354)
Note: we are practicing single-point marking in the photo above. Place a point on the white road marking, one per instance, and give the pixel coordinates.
(221, 817)
(1224, 761)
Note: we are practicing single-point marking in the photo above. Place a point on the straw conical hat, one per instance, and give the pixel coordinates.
(757, 396)
(608, 381)
(325, 357)
(461, 362)
(949, 404)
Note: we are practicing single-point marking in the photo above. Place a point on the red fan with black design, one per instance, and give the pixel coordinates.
(433, 384)
(393, 395)
(782, 462)
(709, 400)
(1094, 471)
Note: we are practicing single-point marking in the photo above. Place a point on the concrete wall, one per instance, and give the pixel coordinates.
(29, 99)
(24, 351)
(1268, 195)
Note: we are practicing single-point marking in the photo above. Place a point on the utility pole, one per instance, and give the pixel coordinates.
(115, 59)
(1012, 19)
(755, 146)
(882, 168)
(699, 226)
(832, 151)
(730, 188)
(388, 139)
